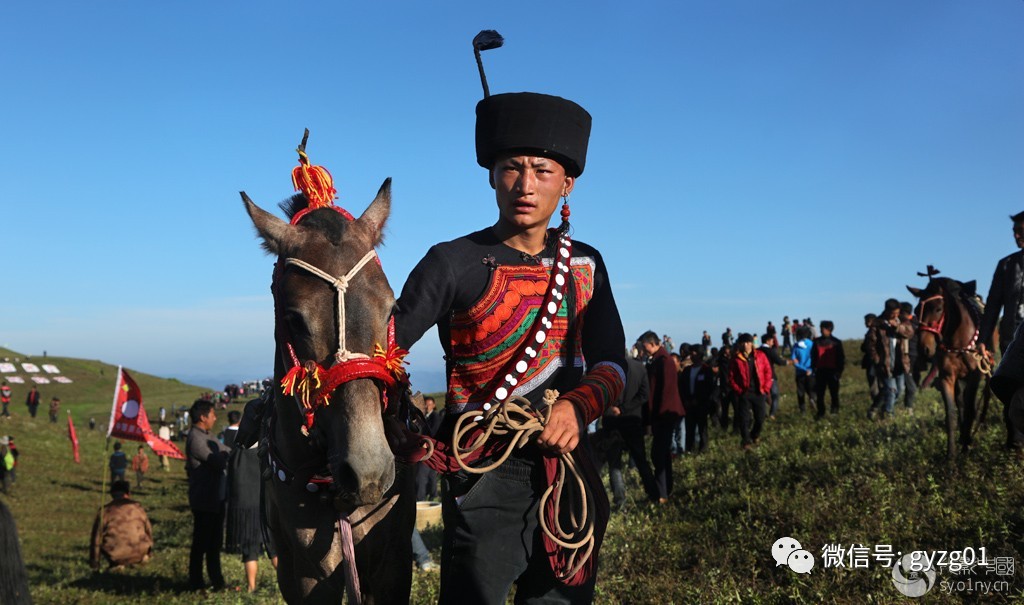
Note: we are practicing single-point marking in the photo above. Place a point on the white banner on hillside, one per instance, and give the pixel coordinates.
(40, 380)
(7, 368)
(31, 368)
(49, 368)
(15, 380)
(62, 379)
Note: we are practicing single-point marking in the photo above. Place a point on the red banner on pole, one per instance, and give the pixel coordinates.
(128, 418)
(74, 438)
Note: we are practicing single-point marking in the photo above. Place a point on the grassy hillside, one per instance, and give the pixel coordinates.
(843, 480)
(92, 389)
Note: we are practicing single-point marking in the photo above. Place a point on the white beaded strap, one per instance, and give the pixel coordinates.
(541, 327)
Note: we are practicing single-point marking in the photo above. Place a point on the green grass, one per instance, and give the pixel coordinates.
(843, 480)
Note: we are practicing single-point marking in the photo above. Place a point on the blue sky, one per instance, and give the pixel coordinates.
(749, 159)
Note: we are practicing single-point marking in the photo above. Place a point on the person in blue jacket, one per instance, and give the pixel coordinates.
(802, 367)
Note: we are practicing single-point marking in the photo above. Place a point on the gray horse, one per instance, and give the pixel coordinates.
(326, 455)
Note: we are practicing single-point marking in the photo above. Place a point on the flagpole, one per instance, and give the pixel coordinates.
(113, 404)
(106, 447)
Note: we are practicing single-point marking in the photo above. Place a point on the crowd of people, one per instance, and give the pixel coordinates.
(223, 497)
(675, 394)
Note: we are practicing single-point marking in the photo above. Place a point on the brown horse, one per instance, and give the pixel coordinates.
(329, 471)
(950, 316)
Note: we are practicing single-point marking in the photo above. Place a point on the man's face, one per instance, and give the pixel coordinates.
(1018, 233)
(429, 404)
(527, 189)
(651, 348)
(748, 347)
(206, 422)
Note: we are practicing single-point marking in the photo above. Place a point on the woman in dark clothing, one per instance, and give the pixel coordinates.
(244, 525)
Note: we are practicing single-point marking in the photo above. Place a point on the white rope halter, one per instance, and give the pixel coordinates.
(340, 285)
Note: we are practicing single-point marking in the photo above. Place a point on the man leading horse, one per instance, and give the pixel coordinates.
(1006, 297)
(521, 310)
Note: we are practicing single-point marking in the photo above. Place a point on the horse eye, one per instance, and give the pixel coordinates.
(296, 321)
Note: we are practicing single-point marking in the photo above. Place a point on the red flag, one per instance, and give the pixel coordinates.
(163, 447)
(74, 438)
(128, 418)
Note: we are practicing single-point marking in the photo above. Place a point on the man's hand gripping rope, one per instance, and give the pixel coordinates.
(517, 422)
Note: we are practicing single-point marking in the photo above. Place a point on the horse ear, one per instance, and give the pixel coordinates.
(971, 287)
(915, 291)
(377, 213)
(271, 229)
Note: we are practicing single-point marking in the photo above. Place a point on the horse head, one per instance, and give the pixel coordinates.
(332, 309)
(931, 313)
(944, 320)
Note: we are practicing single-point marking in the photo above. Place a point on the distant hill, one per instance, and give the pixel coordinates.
(92, 388)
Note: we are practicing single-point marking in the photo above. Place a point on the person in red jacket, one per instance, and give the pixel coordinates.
(664, 408)
(750, 378)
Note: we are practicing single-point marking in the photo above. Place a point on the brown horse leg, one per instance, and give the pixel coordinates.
(948, 390)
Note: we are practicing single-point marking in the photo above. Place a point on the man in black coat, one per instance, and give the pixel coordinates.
(828, 359)
(1006, 297)
(697, 388)
(625, 418)
(1006, 294)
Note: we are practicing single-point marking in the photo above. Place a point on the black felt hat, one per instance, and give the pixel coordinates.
(532, 123)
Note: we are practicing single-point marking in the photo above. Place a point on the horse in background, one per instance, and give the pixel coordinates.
(333, 490)
(949, 314)
(13, 578)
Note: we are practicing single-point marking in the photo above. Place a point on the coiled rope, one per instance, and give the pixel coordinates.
(518, 422)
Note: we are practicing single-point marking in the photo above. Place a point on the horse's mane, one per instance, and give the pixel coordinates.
(952, 286)
(294, 204)
(966, 296)
(331, 224)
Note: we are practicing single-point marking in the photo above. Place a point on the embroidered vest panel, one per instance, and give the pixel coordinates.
(486, 336)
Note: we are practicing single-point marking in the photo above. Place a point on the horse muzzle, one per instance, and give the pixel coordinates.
(361, 485)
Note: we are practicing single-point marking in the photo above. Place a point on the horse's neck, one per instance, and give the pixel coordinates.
(960, 326)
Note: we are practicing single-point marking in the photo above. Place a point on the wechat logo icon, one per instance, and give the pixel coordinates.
(912, 583)
(787, 551)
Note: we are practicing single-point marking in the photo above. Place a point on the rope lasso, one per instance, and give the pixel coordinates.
(984, 365)
(518, 422)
